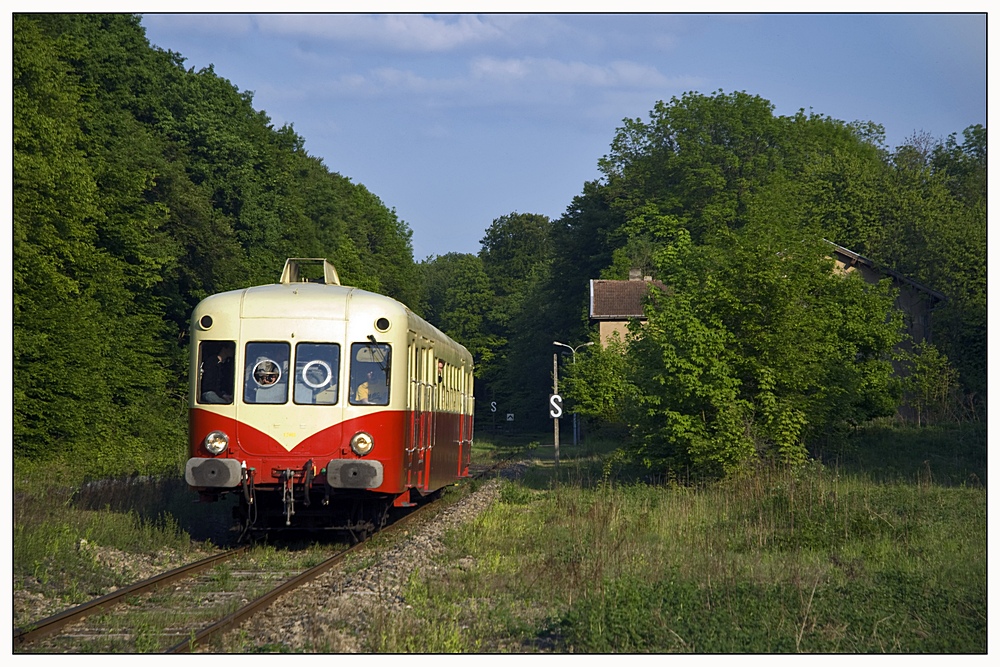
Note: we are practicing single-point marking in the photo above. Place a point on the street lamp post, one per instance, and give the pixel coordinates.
(576, 429)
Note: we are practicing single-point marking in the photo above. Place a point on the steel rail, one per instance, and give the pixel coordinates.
(53, 624)
(260, 604)
(263, 602)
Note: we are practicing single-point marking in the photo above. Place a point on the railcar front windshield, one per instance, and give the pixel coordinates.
(266, 376)
(370, 364)
(317, 367)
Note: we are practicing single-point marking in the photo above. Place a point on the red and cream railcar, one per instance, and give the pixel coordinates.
(322, 405)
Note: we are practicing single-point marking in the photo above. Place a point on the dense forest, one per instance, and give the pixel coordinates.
(141, 186)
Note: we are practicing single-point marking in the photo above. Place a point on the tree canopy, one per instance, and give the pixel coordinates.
(142, 186)
(758, 348)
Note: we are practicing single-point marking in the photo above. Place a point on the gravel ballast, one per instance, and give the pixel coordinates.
(335, 612)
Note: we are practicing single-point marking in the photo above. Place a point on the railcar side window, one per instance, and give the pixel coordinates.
(317, 367)
(215, 371)
(266, 376)
(370, 363)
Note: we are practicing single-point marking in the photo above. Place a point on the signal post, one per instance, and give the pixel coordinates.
(555, 405)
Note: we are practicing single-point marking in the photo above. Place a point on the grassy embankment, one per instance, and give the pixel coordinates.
(881, 551)
(74, 541)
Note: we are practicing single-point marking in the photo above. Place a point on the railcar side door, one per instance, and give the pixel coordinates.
(412, 407)
(421, 412)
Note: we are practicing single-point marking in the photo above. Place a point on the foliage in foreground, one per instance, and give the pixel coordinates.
(759, 350)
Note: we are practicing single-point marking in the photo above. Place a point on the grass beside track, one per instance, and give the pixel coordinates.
(851, 557)
(74, 543)
(881, 548)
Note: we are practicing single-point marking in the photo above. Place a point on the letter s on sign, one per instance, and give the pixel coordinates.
(555, 406)
(493, 406)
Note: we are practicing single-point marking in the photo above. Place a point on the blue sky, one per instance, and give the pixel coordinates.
(454, 120)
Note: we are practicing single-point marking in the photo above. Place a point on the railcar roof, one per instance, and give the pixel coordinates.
(309, 300)
(316, 301)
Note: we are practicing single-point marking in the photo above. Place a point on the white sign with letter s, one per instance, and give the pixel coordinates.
(555, 406)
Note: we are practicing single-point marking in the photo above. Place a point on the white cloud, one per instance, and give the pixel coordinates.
(408, 33)
(499, 69)
(619, 74)
(387, 82)
(497, 83)
(513, 80)
(397, 32)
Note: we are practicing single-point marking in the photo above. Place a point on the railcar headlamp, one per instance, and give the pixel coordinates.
(216, 442)
(362, 443)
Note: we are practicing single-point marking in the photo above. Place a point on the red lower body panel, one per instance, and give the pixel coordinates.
(425, 451)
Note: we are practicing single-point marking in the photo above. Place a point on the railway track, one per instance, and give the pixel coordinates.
(57, 622)
(234, 619)
(101, 625)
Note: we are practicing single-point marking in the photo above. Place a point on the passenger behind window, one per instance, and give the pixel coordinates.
(217, 372)
(370, 364)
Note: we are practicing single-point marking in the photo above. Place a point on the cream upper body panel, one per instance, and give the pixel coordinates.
(314, 313)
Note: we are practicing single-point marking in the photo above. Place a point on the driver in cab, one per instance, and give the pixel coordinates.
(371, 391)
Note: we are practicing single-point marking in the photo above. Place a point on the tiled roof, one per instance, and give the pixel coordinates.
(619, 299)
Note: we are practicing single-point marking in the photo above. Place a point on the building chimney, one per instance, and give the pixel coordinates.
(634, 274)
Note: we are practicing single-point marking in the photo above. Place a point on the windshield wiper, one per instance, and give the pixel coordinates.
(379, 358)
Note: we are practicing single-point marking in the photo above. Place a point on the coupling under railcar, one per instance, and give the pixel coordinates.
(323, 405)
